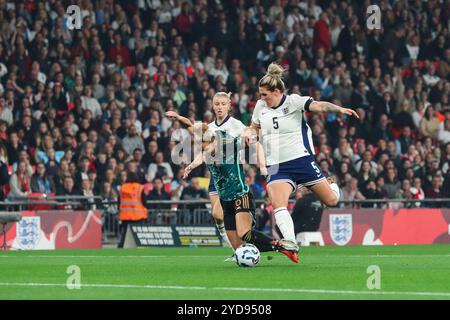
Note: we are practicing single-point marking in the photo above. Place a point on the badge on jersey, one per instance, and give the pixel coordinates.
(285, 110)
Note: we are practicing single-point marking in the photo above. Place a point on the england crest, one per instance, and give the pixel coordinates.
(341, 228)
(28, 232)
(285, 110)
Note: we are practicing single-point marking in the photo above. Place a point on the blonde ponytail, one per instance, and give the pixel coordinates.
(272, 80)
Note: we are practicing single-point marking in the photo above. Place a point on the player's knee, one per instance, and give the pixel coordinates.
(332, 201)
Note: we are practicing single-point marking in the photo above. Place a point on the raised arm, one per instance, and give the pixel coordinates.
(324, 106)
(194, 164)
(198, 160)
(185, 122)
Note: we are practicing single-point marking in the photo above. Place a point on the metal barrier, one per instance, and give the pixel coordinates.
(192, 212)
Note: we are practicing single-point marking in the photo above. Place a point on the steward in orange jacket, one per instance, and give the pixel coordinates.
(131, 205)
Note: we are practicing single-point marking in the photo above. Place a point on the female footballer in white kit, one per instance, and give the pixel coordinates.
(288, 146)
(233, 127)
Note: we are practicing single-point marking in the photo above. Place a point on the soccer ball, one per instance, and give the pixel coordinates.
(247, 255)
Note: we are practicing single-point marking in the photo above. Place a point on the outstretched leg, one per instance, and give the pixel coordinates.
(263, 242)
(279, 193)
(217, 213)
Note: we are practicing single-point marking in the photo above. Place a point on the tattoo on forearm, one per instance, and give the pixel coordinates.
(329, 107)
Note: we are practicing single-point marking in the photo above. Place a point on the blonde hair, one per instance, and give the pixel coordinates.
(224, 94)
(272, 79)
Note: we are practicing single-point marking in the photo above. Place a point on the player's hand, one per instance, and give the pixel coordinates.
(349, 112)
(249, 135)
(172, 115)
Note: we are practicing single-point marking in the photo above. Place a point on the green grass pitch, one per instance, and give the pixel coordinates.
(407, 272)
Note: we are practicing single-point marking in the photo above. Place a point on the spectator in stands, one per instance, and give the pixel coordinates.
(382, 130)
(444, 132)
(405, 193)
(418, 114)
(255, 186)
(88, 193)
(20, 181)
(343, 173)
(179, 55)
(370, 192)
(41, 182)
(4, 175)
(404, 140)
(177, 186)
(391, 185)
(194, 192)
(158, 193)
(404, 118)
(83, 169)
(5, 112)
(68, 188)
(366, 174)
(322, 37)
(367, 156)
(434, 191)
(132, 140)
(429, 125)
(351, 191)
(360, 97)
(160, 169)
(122, 178)
(14, 146)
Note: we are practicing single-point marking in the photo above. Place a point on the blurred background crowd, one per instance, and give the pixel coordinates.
(80, 109)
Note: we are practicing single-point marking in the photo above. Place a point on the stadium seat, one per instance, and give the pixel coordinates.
(42, 198)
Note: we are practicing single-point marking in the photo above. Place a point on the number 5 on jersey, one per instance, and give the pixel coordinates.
(316, 168)
(275, 122)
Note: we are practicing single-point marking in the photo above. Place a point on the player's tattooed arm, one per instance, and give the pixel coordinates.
(324, 106)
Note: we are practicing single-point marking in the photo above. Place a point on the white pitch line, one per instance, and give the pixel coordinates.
(312, 291)
(100, 285)
(382, 255)
(221, 256)
(44, 256)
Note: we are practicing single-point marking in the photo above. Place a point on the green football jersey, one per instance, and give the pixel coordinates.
(225, 168)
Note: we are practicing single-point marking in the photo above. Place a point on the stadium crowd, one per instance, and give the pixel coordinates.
(80, 109)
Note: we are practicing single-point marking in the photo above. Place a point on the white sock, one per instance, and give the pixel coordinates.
(285, 223)
(336, 190)
(223, 233)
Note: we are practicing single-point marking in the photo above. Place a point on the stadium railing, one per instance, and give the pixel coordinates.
(182, 212)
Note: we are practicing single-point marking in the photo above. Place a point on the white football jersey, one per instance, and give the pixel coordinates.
(230, 125)
(285, 134)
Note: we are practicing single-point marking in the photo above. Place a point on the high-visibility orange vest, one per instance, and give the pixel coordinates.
(131, 207)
